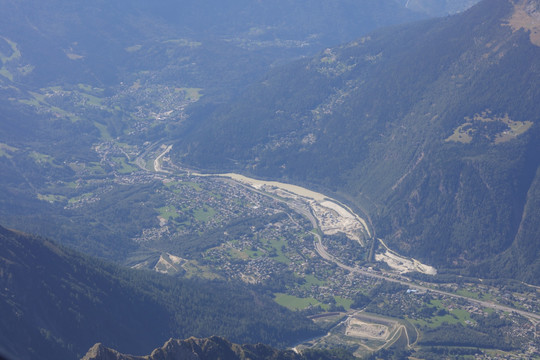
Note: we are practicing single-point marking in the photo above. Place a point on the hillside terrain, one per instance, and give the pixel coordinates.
(384, 200)
(432, 127)
(56, 303)
(80, 82)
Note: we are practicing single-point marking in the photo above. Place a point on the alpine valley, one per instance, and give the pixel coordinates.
(431, 127)
(281, 179)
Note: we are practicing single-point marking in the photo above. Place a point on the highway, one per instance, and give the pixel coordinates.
(322, 252)
(319, 247)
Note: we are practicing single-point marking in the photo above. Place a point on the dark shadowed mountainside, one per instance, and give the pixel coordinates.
(55, 304)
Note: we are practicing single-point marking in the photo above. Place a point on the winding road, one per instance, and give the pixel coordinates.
(322, 252)
(535, 318)
(157, 161)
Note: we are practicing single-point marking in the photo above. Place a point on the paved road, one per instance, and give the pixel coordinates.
(157, 161)
(140, 161)
(319, 247)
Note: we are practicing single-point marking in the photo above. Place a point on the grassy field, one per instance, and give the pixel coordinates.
(167, 212)
(237, 254)
(126, 168)
(468, 294)
(6, 73)
(4, 58)
(191, 94)
(204, 214)
(278, 245)
(5, 150)
(295, 303)
(105, 136)
(454, 316)
(411, 330)
(311, 281)
(464, 133)
(93, 100)
(38, 100)
(183, 42)
(133, 48)
(253, 254)
(516, 128)
(193, 268)
(346, 303)
(71, 185)
(42, 159)
(176, 184)
(51, 198)
(81, 197)
(95, 167)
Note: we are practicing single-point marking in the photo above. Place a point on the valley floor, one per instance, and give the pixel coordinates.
(311, 251)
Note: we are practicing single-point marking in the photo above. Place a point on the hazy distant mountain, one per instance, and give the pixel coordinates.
(98, 42)
(55, 304)
(432, 126)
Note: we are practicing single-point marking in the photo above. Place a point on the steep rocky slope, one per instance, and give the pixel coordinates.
(210, 348)
(213, 348)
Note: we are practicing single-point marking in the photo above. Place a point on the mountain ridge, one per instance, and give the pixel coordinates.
(211, 348)
(192, 348)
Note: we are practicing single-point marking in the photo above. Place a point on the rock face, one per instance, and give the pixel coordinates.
(211, 348)
(99, 351)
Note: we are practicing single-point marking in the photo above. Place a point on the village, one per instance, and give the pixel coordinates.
(266, 236)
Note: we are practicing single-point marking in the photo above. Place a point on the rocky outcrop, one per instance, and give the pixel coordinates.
(211, 348)
(101, 352)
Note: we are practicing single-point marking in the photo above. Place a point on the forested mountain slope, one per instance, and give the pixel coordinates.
(75, 74)
(432, 126)
(55, 304)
